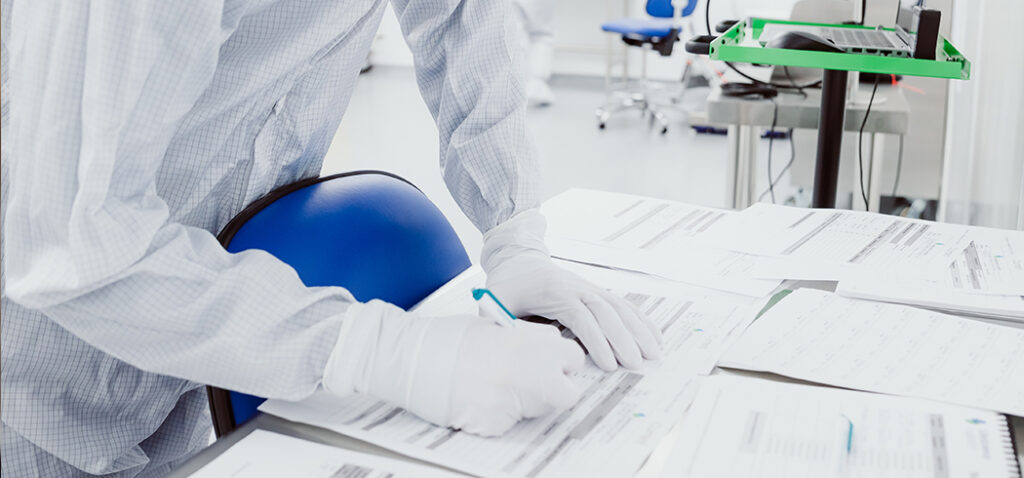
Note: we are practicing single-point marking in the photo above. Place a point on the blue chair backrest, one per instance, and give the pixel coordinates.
(370, 232)
(663, 8)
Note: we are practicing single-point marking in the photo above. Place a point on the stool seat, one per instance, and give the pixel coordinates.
(644, 27)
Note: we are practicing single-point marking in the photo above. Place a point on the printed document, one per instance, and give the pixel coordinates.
(831, 243)
(985, 278)
(652, 236)
(757, 428)
(628, 221)
(888, 348)
(622, 414)
(828, 244)
(992, 262)
(263, 454)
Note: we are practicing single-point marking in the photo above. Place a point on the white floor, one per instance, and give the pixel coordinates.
(388, 127)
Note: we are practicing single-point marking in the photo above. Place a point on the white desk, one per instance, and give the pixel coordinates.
(890, 115)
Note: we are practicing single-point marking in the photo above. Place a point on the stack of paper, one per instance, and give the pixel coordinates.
(985, 276)
(622, 414)
(925, 293)
(822, 337)
(943, 266)
(756, 428)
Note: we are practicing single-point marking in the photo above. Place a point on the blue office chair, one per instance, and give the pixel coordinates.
(370, 232)
(659, 33)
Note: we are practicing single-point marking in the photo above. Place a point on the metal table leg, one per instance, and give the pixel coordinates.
(749, 138)
(732, 177)
(873, 151)
(877, 159)
(742, 165)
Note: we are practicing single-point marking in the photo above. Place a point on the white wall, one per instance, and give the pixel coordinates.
(983, 181)
(580, 45)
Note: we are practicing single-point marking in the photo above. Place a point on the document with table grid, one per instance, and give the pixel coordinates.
(754, 428)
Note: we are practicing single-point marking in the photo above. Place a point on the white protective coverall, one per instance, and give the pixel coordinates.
(134, 130)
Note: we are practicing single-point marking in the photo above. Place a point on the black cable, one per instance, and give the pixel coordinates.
(792, 158)
(771, 139)
(863, 10)
(749, 90)
(860, 144)
(899, 165)
(707, 24)
(799, 89)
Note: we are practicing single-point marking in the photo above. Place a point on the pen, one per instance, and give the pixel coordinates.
(844, 462)
(491, 307)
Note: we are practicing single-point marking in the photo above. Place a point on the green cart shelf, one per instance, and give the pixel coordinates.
(739, 44)
(729, 46)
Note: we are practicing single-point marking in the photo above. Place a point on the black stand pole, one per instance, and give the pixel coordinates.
(830, 138)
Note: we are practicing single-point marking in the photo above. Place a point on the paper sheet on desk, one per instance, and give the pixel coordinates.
(628, 221)
(649, 235)
(826, 244)
(831, 238)
(622, 414)
(822, 337)
(986, 278)
(263, 454)
(758, 428)
(932, 294)
(702, 266)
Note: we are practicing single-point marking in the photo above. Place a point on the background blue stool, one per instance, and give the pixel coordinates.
(658, 32)
(370, 232)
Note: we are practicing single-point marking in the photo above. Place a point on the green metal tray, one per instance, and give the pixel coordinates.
(949, 63)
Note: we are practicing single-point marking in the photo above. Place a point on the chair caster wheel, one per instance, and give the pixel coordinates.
(600, 126)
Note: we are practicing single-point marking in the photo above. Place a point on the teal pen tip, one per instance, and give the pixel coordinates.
(479, 294)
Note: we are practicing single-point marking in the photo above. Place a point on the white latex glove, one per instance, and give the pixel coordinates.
(523, 277)
(506, 374)
(460, 371)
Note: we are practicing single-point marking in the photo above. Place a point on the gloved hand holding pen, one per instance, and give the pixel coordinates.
(462, 371)
(520, 272)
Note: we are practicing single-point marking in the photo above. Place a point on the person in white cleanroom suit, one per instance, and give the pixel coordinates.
(538, 36)
(133, 130)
